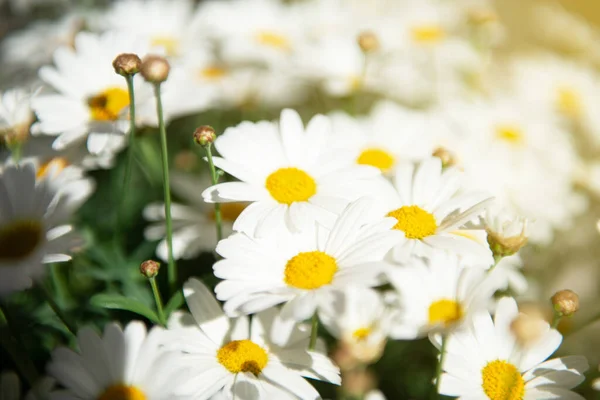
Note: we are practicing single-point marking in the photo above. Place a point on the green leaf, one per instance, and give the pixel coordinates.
(174, 303)
(118, 302)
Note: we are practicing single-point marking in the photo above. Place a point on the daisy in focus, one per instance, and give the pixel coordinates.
(487, 361)
(302, 269)
(431, 211)
(121, 364)
(34, 227)
(288, 174)
(238, 358)
(438, 295)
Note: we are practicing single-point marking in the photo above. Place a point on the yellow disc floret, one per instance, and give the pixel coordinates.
(273, 39)
(415, 222)
(122, 392)
(377, 158)
(445, 312)
(510, 134)
(361, 334)
(502, 381)
(428, 34)
(569, 102)
(108, 105)
(310, 270)
(18, 239)
(289, 185)
(243, 356)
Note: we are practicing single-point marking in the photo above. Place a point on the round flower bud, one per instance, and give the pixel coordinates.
(448, 159)
(204, 135)
(565, 302)
(149, 268)
(368, 42)
(127, 64)
(155, 69)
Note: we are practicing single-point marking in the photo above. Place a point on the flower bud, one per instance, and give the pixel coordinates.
(565, 302)
(204, 135)
(506, 234)
(155, 69)
(527, 329)
(368, 42)
(127, 64)
(446, 156)
(149, 268)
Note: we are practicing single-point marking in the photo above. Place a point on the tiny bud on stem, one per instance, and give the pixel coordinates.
(565, 302)
(149, 268)
(127, 64)
(204, 135)
(155, 69)
(368, 42)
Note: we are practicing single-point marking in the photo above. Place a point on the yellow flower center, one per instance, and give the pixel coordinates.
(229, 211)
(569, 102)
(361, 334)
(377, 158)
(428, 34)
(170, 44)
(243, 356)
(310, 270)
(213, 73)
(288, 185)
(510, 134)
(56, 165)
(107, 105)
(415, 222)
(445, 312)
(502, 381)
(273, 39)
(19, 239)
(122, 392)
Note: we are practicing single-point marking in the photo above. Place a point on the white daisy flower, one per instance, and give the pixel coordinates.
(92, 100)
(15, 115)
(509, 274)
(431, 211)
(507, 233)
(288, 172)
(302, 269)
(486, 361)
(438, 295)
(358, 318)
(10, 388)
(239, 358)
(121, 364)
(34, 227)
(194, 227)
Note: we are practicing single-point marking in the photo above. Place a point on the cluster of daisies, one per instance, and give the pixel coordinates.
(395, 210)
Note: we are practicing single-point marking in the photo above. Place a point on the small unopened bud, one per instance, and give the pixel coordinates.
(368, 42)
(127, 64)
(155, 69)
(506, 234)
(446, 156)
(527, 329)
(565, 302)
(149, 268)
(358, 382)
(204, 135)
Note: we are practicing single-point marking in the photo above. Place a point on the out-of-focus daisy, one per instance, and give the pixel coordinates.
(121, 364)
(92, 100)
(288, 173)
(431, 211)
(15, 115)
(302, 269)
(438, 295)
(359, 319)
(194, 227)
(240, 358)
(34, 227)
(488, 362)
(388, 136)
(10, 388)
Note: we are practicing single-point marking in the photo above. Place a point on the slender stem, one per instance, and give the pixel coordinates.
(57, 284)
(313, 332)
(172, 272)
(130, 149)
(215, 179)
(438, 372)
(556, 320)
(16, 350)
(57, 310)
(158, 300)
(15, 151)
(497, 259)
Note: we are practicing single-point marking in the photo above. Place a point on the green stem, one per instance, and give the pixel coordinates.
(16, 350)
(556, 320)
(497, 259)
(15, 151)
(57, 310)
(215, 179)
(158, 301)
(57, 284)
(130, 149)
(314, 332)
(438, 372)
(172, 272)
